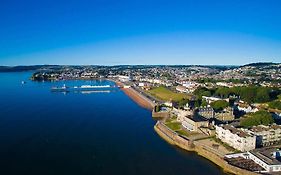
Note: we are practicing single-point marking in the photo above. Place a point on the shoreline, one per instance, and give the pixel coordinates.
(174, 139)
(136, 96)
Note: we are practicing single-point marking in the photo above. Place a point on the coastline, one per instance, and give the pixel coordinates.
(174, 139)
(140, 99)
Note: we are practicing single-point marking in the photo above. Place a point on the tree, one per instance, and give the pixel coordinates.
(223, 92)
(202, 91)
(275, 104)
(258, 118)
(204, 103)
(183, 102)
(247, 94)
(157, 108)
(197, 103)
(262, 95)
(219, 105)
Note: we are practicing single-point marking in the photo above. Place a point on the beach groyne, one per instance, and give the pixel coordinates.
(173, 138)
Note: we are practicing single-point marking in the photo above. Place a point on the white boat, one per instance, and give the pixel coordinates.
(64, 88)
(94, 87)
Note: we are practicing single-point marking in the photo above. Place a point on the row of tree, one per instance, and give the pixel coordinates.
(250, 94)
(258, 118)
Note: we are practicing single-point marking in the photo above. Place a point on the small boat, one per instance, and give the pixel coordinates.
(23, 82)
(64, 88)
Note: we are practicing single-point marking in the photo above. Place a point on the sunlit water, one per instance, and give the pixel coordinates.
(83, 133)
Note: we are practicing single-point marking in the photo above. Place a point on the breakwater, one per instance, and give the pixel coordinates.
(202, 150)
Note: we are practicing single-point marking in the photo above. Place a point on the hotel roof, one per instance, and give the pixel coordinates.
(261, 128)
(266, 155)
(236, 131)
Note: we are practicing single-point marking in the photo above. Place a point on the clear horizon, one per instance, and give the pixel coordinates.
(140, 32)
(222, 65)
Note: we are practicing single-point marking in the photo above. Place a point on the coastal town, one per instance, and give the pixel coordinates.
(230, 115)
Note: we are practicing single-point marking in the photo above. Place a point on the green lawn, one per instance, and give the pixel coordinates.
(166, 94)
(174, 125)
(183, 132)
(171, 119)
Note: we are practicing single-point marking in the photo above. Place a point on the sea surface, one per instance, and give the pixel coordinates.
(99, 133)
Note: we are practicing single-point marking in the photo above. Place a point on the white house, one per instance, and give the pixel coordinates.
(267, 135)
(247, 108)
(181, 89)
(236, 138)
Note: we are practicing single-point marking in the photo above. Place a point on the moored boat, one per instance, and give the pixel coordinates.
(64, 88)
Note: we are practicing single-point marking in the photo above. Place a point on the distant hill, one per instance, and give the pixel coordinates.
(25, 68)
(261, 64)
(53, 67)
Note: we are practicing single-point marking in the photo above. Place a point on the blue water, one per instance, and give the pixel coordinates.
(98, 133)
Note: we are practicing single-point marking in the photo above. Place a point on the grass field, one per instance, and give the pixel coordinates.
(166, 94)
(187, 133)
(174, 125)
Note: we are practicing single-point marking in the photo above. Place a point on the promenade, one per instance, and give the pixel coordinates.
(138, 96)
(201, 148)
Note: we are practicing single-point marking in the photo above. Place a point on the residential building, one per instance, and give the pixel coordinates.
(213, 99)
(193, 122)
(225, 115)
(206, 112)
(267, 135)
(123, 78)
(209, 113)
(246, 108)
(181, 89)
(236, 138)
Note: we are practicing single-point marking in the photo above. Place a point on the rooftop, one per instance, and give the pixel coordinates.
(261, 128)
(196, 118)
(236, 131)
(266, 155)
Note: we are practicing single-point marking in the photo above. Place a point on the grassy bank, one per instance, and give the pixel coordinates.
(166, 94)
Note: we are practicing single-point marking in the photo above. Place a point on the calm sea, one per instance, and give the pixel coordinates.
(93, 133)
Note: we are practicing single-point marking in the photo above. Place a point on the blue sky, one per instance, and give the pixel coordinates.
(110, 32)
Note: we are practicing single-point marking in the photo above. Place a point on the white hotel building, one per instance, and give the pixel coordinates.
(236, 138)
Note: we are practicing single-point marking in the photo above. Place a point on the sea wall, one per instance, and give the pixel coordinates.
(137, 97)
(174, 139)
(160, 114)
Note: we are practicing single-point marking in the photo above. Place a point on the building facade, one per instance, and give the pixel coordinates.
(236, 138)
(193, 122)
(206, 112)
(267, 135)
